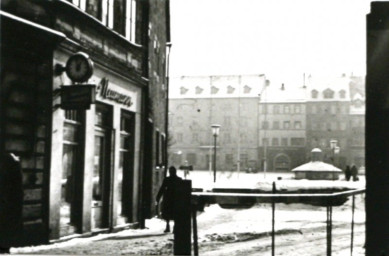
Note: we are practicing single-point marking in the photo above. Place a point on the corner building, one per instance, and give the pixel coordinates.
(94, 170)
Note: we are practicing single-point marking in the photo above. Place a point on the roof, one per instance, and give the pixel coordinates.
(317, 166)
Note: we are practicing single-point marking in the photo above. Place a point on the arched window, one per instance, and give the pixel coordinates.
(328, 94)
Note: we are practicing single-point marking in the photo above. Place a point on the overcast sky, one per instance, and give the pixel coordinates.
(272, 37)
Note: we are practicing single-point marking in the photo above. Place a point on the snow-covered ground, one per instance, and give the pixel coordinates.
(300, 228)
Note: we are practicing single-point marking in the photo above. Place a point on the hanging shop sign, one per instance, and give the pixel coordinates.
(107, 92)
(78, 97)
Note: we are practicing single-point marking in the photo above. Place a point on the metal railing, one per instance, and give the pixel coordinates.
(199, 199)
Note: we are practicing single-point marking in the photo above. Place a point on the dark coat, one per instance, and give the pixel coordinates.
(11, 202)
(167, 192)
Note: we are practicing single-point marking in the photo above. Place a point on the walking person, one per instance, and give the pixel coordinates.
(347, 172)
(354, 172)
(11, 202)
(167, 192)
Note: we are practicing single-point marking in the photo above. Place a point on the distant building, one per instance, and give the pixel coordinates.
(277, 121)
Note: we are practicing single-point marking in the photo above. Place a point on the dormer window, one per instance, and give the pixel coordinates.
(342, 94)
(314, 94)
(328, 94)
(183, 90)
(230, 89)
(214, 90)
(199, 90)
(246, 89)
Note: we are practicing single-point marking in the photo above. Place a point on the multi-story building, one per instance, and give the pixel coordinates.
(328, 104)
(86, 167)
(265, 125)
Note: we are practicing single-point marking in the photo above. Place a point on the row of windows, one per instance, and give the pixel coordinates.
(276, 125)
(119, 15)
(283, 142)
(329, 126)
(325, 109)
(328, 94)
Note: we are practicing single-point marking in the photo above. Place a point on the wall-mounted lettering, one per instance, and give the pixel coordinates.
(106, 92)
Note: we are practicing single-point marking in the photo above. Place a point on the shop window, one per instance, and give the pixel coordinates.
(125, 172)
(71, 158)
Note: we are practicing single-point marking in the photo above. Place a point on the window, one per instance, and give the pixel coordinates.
(179, 137)
(265, 142)
(229, 159)
(265, 125)
(131, 20)
(314, 94)
(195, 137)
(342, 94)
(227, 120)
(286, 109)
(284, 141)
(343, 126)
(276, 109)
(227, 138)
(286, 124)
(328, 94)
(119, 11)
(276, 125)
(191, 158)
(179, 121)
(297, 109)
(95, 8)
(297, 141)
(334, 126)
(333, 109)
(275, 142)
(297, 124)
(246, 89)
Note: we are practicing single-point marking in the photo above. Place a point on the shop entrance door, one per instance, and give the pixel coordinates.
(101, 173)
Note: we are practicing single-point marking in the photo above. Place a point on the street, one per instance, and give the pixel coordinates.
(300, 230)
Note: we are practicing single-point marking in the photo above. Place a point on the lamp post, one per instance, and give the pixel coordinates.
(215, 132)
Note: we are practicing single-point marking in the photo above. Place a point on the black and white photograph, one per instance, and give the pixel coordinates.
(194, 127)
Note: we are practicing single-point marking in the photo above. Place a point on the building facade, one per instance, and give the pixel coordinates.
(265, 124)
(97, 168)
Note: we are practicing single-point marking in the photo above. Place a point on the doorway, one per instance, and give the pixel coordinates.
(101, 188)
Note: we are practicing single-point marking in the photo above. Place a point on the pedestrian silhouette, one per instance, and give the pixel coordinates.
(354, 172)
(347, 172)
(167, 192)
(11, 202)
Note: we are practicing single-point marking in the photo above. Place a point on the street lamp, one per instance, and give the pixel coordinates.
(215, 132)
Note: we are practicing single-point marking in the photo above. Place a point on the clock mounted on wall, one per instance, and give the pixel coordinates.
(79, 67)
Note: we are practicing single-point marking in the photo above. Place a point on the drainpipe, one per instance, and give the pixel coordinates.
(168, 48)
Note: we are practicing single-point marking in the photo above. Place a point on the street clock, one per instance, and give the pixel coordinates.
(79, 67)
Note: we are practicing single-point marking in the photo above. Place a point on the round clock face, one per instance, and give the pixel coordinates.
(79, 67)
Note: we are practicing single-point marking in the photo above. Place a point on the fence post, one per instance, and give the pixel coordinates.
(329, 228)
(352, 226)
(273, 206)
(194, 224)
(182, 222)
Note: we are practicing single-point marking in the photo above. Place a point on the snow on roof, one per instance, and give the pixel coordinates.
(316, 166)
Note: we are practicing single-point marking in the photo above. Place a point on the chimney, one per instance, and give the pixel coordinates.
(282, 87)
